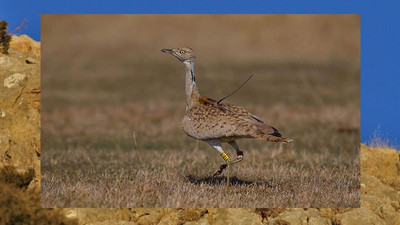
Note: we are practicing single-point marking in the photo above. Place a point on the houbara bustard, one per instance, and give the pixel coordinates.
(214, 122)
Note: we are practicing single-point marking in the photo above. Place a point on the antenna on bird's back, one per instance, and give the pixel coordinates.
(235, 90)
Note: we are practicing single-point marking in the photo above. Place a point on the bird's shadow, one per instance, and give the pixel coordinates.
(221, 180)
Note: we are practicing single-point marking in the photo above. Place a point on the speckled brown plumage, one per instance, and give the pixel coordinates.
(226, 122)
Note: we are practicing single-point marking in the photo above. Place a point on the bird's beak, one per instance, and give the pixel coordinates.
(166, 50)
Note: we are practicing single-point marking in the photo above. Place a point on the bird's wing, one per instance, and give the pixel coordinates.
(225, 120)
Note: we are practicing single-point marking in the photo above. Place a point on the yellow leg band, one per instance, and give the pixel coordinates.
(224, 156)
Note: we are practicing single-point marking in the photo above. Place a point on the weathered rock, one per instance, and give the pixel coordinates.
(371, 185)
(319, 221)
(382, 163)
(390, 213)
(8, 63)
(266, 212)
(199, 222)
(134, 216)
(112, 222)
(234, 216)
(379, 204)
(330, 213)
(186, 216)
(359, 216)
(291, 216)
(26, 44)
(99, 215)
(31, 60)
(385, 209)
(20, 108)
(14, 80)
(150, 216)
(300, 217)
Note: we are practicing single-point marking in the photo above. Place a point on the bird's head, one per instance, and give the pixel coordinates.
(184, 54)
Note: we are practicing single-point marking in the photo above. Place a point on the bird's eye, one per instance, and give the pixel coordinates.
(182, 52)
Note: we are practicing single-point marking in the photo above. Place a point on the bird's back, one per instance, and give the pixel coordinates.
(225, 122)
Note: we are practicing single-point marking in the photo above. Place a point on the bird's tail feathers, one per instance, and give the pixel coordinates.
(273, 138)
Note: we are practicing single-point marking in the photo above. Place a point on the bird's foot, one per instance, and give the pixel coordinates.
(238, 159)
(224, 166)
(220, 169)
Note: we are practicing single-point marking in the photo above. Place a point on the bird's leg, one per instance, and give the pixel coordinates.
(239, 154)
(217, 145)
(223, 166)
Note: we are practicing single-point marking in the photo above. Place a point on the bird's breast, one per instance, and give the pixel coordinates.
(191, 127)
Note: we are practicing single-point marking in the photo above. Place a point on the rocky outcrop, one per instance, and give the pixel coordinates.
(25, 44)
(165, 216)
(382, 163)
(378, 201)
(20, 107)
(359, 216)
(300, 217)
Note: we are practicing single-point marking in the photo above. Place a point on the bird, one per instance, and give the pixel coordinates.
(215, 122)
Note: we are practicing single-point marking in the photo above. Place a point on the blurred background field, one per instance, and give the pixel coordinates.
(112, 105)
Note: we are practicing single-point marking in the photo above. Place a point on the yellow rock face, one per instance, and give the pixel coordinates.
(26, 44)
(20, 106)
(383, 163)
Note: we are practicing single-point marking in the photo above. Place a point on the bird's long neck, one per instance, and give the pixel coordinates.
(192, 93)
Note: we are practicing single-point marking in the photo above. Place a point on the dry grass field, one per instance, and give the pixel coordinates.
(112, 104)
